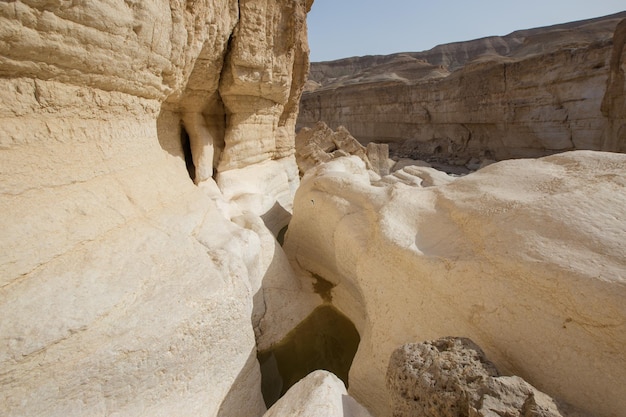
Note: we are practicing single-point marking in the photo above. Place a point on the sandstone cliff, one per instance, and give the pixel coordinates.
(125, 288)
(528, 94)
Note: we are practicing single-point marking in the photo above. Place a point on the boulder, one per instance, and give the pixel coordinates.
(451, 377)
(320, 394)
(525, 257)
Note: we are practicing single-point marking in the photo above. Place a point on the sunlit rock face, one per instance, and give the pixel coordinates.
(528, 94)
(525, 257)
(125, 288)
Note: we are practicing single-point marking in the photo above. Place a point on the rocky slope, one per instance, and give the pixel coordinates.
(125, 288)
(528, 94)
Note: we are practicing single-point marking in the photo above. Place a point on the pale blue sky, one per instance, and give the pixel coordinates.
(344, 28)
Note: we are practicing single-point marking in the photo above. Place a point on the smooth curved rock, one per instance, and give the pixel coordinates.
(525, 257)
(318, 394)
(451, 377)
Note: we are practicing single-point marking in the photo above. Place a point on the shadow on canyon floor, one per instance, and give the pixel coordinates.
(326, 340)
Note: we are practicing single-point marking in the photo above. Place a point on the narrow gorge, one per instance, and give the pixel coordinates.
(170, 248)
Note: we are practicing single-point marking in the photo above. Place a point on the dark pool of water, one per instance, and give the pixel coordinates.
(326, 339)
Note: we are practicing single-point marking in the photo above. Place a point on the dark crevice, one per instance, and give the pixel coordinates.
(186, 145)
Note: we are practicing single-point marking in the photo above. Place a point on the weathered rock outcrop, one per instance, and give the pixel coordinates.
(451, 377)
(126, 289)
(525, 257)
(528, 94)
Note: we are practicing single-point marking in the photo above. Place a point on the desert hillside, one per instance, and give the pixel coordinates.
(527, 94)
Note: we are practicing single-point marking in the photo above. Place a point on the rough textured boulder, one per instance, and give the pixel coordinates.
(614, 103)
(451, 377)
(320, 394)
(126, 289)
(322, 144)
(525, 257)
(528, 94)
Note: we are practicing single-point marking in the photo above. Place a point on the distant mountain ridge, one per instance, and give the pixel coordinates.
(443, 59)
(531, 93)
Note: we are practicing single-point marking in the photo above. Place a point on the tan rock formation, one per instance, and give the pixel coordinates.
(126, 289)
(528, 94)
(451, 377)
(525, 257)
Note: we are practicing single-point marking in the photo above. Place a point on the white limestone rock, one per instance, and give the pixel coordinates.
(320, 394)
(525, 257)
(125, 289)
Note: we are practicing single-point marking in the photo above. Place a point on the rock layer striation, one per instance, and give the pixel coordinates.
(528, 94)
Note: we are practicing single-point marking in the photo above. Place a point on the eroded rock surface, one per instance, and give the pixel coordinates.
(320, 144)
(451, 377)
(528, 94)
(126, 289)
(525, 257)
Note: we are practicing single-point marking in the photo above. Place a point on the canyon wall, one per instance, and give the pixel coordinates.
(125, 288)
(525, 257)
(528, 94)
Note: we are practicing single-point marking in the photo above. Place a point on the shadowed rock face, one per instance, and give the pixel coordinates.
(528, 94)
(614, 103)
(525, 257)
